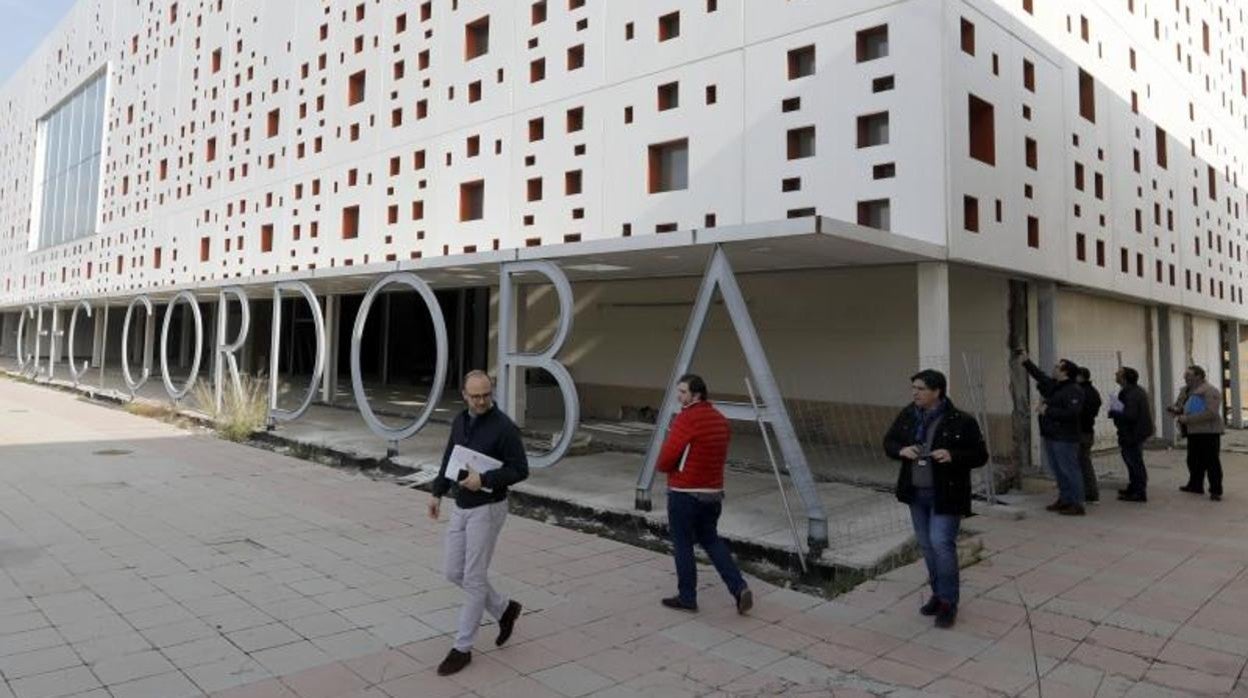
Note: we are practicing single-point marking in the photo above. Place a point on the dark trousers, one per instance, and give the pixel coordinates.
(1137, 474)
(1090, 491)
(1203, 459)
(693, 520)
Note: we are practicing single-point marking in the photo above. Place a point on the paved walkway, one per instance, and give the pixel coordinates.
(140, 560)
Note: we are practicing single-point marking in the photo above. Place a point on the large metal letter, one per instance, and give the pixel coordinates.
(73, 325)
(224, 353)
(719, 274)
(174, 393)
(318, 320)
(22, 359)
(131, 384)
(439, 377)
(510, 358)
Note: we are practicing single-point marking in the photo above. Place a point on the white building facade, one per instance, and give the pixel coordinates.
(897, 183)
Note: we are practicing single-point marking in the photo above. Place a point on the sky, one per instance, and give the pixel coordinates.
(26, 23)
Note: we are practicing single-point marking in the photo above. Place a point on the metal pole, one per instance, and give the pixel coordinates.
(975, 379)
(775, 468)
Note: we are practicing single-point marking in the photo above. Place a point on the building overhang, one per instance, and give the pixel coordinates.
(774, 246)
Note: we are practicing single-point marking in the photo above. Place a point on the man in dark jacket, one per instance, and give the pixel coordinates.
(1134, 420)
(480, 510)
(1087, 433)
(1059, 412)
(938, 446)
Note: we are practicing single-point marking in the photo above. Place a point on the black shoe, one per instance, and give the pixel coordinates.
(946, 615)
(931, 607)
(676, 603)
(1191, 489)
(1092, 498)
(1133, 497)
(507, 623)
(1125, 490)
(745, 601)
(1072, 510)
(454, 662)
(1057, 505)
(1215, 497)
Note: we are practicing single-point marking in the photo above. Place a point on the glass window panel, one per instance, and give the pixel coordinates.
(69, 190)
(71, 203)
(45, 221)
(89, 196)
(95, 191)
(73, 118)
(54, 212)
(86, 185)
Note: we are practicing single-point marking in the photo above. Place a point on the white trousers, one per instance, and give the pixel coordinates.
(470, 539)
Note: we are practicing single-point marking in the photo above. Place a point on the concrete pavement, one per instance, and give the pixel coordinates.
(138, 559)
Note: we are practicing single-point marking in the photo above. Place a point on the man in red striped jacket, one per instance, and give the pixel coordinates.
(693, 457)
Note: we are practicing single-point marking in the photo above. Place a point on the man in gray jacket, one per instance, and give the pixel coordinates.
(1199, 414)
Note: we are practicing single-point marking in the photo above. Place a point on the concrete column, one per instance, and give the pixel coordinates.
(517, 392)
(103, 343)
(1165, 372)
(184, 343)
(1237, 402)
(97, 337)
(933, 319)
(246, 359)
(329, 380)
(1046, 324)
(385, 340)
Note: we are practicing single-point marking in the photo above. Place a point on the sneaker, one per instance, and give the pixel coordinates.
(1215, 497)
(745, 601)
(1133, 497)
(1072, 510)
(1057, 505)
(454, 662)
(1192, 490)
(931, 607)
(946, 615)
(508, 622)
(676, 603)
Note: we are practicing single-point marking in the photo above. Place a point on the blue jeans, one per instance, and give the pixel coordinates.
(937, 535)
(690, 521)
(1063, 458)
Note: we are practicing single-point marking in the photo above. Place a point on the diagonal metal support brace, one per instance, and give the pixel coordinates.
(719, 275)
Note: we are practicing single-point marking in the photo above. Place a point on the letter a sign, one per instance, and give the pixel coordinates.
(719, 274)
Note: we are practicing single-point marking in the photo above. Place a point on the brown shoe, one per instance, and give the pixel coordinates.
(1057, 505)
(1072, 510)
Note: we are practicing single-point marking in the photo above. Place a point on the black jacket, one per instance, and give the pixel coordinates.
(1091, 408)
(1063, 405)
(1135, 421)
(957, 433)
(492, 434)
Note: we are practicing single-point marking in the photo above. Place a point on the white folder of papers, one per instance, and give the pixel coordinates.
(463, 457)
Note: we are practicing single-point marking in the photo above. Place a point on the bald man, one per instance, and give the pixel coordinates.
(478, 515)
